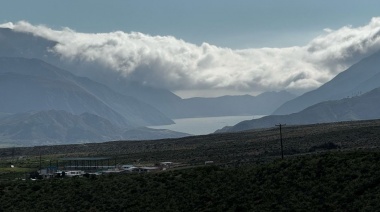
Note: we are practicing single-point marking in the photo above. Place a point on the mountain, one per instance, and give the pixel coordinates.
(165, 101)
(359, 78)
(55, 127)
(262, 104)
(61, 127)
(33, 85)
(363, 107)
(26, 45)
(18, 44)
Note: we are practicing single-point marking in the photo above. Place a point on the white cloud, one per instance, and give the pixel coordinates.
(7, 25)
(165, 61)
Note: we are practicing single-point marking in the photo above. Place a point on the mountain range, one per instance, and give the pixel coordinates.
(357, 79)
(26, 45)
(262, 104)
(46, 99)
(357, 90)
(363, 107)
(33, 85)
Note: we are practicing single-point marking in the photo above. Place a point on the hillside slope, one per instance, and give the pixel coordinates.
(56, 127)
(26, 45)
(31, 84)
(362, 107)
(359, 78)
(52, 127)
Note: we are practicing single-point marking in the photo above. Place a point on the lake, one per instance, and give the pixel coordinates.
(205, 125)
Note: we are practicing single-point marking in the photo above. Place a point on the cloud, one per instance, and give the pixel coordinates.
(164, 61)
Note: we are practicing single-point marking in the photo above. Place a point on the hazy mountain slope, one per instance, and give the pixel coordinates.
(361, 107)
(54, 127)
(54, 88)
(164, 100)
(61, 127)
(131, 108)
(18, 44)
(359, 78)
(22, 93)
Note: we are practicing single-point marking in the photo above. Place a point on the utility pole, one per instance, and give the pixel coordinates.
(282, 148)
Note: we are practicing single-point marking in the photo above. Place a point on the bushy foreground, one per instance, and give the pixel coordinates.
(333, 181)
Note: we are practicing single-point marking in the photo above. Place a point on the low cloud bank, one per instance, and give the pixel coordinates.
(164, 61)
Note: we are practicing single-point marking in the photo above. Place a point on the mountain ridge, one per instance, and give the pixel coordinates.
(261, 104)
(363, 107)
(355, 80)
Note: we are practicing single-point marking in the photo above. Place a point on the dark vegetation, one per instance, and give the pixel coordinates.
(326, 167)
(333, 181)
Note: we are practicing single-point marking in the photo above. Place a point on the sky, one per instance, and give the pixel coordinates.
(225, 23)
(208, 48)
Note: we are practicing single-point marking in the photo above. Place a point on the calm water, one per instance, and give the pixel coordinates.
(202, 126)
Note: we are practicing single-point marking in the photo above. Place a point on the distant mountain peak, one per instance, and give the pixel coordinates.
(359, 78)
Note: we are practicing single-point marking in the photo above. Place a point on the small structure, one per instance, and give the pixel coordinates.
(88, 163)
(75, 173)
(127, 167)
(48, 172)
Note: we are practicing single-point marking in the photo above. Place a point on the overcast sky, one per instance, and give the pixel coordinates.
(226, 23)
(217, 45)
